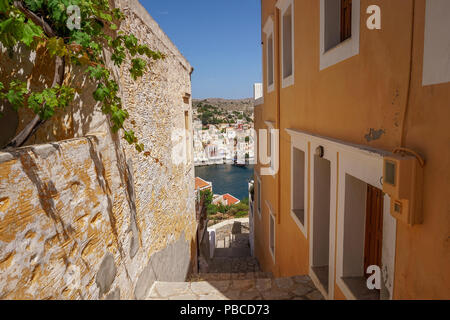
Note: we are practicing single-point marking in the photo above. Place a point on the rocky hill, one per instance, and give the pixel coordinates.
(226, 104)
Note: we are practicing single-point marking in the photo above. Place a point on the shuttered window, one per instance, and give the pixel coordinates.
(374, 227)
(346, 19)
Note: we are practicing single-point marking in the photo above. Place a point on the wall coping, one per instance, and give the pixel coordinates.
(227, 222)
(45, 149)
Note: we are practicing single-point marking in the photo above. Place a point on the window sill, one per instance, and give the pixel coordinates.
(338, 46)
(287, 82)
(271, 88)
(268, 171)
(272, 173)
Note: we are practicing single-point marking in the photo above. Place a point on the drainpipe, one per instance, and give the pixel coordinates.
(408, 96)
(279, 66)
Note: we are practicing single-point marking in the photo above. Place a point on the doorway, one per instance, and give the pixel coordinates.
(321, 220)
(363, 223)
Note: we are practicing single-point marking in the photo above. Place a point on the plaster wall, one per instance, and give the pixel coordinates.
(375, 99)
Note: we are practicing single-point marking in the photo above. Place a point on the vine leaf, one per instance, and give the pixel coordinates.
(57, 47)
(43, 23)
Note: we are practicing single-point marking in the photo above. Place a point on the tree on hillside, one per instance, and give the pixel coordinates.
(70, 40)
(207, 197)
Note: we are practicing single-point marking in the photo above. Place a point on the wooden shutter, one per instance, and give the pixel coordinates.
(374, 227)
(346, 19)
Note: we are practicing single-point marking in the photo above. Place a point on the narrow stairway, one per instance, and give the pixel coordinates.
(232, 274)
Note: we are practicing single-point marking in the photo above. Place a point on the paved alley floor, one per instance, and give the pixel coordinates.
(232, 253)
(233, 274)
(293, 288)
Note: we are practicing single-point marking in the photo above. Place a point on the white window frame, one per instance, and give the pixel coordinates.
(368, 168)
(363, 164)
(268, 30)
(345, 49)
(273, 148)
(302, 146)
(283, 5)
(271, 215)
(436, 54)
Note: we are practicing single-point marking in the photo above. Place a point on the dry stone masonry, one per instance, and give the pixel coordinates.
(82, 214)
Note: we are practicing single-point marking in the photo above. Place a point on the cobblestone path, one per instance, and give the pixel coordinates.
(234, 275)
(294, 288)
(232, 253)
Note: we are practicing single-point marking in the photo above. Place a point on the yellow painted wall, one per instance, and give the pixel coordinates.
(423, 251)
(347, 100)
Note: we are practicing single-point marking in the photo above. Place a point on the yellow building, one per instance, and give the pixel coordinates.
(358, 93)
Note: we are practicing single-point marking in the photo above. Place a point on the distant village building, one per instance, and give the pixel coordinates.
(202, 185)
(226, 200)
(223, 144)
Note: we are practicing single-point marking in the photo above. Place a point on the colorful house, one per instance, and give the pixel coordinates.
(226, 200)
(359, 94)
(202, 185)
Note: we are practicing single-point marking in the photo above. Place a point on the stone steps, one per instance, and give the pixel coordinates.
(226, 263)
(230, 276)
(293, 288)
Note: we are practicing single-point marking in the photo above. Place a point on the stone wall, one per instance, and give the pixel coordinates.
(83, 215)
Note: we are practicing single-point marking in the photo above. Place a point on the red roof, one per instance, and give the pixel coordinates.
(201, 184)
(230, 199)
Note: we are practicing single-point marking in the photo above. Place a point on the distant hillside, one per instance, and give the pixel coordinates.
(227, 104)
(216, 110)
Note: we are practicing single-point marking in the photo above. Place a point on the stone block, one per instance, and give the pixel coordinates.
(106, 274)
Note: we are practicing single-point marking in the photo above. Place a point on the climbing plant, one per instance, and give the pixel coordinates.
(73, 33)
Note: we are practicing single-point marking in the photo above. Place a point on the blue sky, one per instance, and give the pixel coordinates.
(220, 38)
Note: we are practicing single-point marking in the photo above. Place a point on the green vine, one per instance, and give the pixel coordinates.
(43, 24)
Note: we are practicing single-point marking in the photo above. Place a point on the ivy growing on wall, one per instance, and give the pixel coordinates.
(43, 24)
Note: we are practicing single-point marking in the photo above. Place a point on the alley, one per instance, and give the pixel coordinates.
(233, 274)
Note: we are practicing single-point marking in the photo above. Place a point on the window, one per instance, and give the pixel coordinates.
(346, 19)
(338, 22)
(271, 232)
(270, 60)
(287, 36)
(299, 184)
(339, 31)
(272, 148)
(270, 53)
(436, 55)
